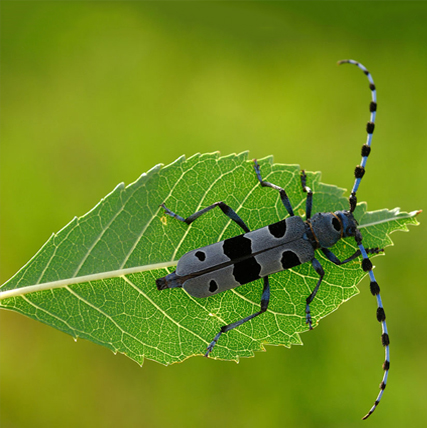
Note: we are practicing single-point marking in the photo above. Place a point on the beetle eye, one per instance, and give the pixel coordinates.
(336, 224)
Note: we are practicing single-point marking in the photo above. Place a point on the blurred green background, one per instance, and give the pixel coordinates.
(95, 93)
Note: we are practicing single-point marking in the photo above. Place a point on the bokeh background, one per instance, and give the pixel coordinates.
(95, 93)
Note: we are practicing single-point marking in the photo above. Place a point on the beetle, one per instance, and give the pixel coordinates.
(225, 265)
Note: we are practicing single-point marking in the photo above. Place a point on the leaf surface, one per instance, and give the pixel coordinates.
(95, 278)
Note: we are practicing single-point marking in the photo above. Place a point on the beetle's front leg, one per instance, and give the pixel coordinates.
(334, 259)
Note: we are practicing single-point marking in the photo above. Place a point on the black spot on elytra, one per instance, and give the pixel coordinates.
(237, 247)
(289, 259)
(213, 286)
(278, 229)
(246, 270)
(201, 256)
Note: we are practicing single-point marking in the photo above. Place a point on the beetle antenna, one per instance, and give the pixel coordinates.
(375, 290)
(366, 263)
(366, 148)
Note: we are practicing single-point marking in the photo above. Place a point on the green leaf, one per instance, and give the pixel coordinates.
(95, 278)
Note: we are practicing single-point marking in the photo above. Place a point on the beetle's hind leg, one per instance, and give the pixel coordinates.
(228, 211)
(265, 299)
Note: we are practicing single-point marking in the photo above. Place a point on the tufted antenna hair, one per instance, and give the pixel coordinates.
(366, 148)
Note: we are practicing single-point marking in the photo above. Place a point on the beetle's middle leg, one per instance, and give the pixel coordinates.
(265, 299)
(228, 211)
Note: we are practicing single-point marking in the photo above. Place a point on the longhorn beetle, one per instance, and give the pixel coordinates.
(290, 242)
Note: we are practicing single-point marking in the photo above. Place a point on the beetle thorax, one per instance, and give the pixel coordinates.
(327, 229)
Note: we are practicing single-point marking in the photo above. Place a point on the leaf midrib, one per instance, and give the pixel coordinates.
(81, 279)
(137, 269)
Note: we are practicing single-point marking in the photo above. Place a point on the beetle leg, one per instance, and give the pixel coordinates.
(265, 299)
(283, 195)
(334, 259)
(318, 268)
(229, 212)
(309, 200)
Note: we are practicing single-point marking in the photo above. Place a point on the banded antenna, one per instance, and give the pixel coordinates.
(366, 263)
(370, 126)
